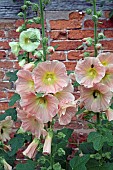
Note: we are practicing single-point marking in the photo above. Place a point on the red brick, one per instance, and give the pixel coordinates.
(16, 65)
(3, 105)
(58, 56)
(70, 65)
(4, 45)
(108, 33)
(104, 24)
(2, 35)
(2, 54)
(13, 34)
(2, 94)
(58, 35)
(80, 34)
(10, 94)
(19, 23)
(74, 55)
(107, 45)
(12, 56)
(7, 24)
(66, 45)
(1, 74)
(107, 14)
(6, 64)
(5, 85)
(76, 15)
(65, 24)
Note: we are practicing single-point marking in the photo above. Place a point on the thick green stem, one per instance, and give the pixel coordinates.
(95, 29)
(98, 118)
(25, 14)
(43, 30)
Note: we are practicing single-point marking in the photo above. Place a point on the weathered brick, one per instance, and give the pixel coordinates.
(76, 15)
(74, 55)
(66, 45)
(2, 94)
(2, 35)
(13, 34)
(16, 65)
(2, 54)
(104, 24)
(107, 45)
(12, 56)
(7, 24)
(58, 35)
(58, 56)
(4, 45)
(108, 33)
(5, 85)
(1, 74)
(70, 65)
(6, 64)
(65, 24)
(3, 105)
(79, 34)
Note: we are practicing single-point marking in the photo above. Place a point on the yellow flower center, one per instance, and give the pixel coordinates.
(106, 77)
(96, 94)
(49, 78)
(105, 63)
(92, 72)
(27, 40)
(31, 84)
(42, 101)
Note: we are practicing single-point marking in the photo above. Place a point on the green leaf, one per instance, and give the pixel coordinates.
(80, 111)
(78, 163)
(87, 148)
(9, 112)
(57, 166)
(39, 94)
(76, 84)
(12, 75)
(14, 98)
(97, 140)
(29, 165)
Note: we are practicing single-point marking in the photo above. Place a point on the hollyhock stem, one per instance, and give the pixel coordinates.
(25, 14)
(43, 30)
(98, 118)
(95, 29)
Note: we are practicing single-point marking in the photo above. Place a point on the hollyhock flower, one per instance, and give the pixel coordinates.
(89, 71)
(72, 77)
(29, 40)
(15, 47)
(66, 112)
(6, 165)
(66, 94)
(50, 77)
(31, 123)
(29, 66)
(108, 78)
(109, 114)
(31, 150)
(6, 128)
(44, 108)
(106, 58)
(97, 98)
(47, 143)
(24, 83)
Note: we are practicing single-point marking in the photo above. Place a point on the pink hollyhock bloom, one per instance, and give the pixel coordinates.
(66, 94)
(50, 77)
(31, 150)
(47, 143)
(29, 66)
(6, 165)
(66, 112)
(97, 98)
(109, 114)
(72, 77)
(106, 58)
(24, 83)
(44, 108)
(6, 128)
(31, 123)
(108, 78)
(89, 71)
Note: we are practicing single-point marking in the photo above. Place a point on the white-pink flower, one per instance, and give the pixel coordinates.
(47, 143)
(6, 165)
(106, 58)
(44, 108)
(29, 66)
(97, 98)
(24, 83)
(89, 71)
(31, 123)
(31, 150)
(109, 114)
(50, 77)
(66, 112)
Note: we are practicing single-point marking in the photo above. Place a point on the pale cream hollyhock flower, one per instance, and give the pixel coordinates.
(43, 108)
(89, 71)
(6, 165)
(66, 112)
(48, 143)
(106, 58)
(50, 77)
(97, 98)
(31, 150)
(29, 40)
(15, 47)
(31, 123)
(6, 128)
(109, 114)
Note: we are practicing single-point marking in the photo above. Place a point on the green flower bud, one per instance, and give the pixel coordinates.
(30, 21)
(45, 40)
(61, 135)
(20, 14)
(98, 46)
(24, 7)
(61, 152)
(35, 7)
(21, 28)
(28, 3)
(89, 11)
(99, 13)
(95, 18)
(101, 36)
(37, 20)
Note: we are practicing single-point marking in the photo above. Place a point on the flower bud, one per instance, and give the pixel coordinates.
(99, 13)
(89, 11)
(98, 46)
(35, 7)
(21, 28)
(47, 143)
(30, 21)
(61, 152)
(28, 3)
(20, 14)
(50, 50)
(95, 18)
(24, 7)
(101, 35)
(37, 20)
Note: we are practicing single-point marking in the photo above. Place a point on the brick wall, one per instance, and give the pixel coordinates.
(65, 29)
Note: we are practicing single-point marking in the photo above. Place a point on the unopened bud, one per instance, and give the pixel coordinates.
(98, 46)
(95, 18)
(99, 13)
(20, 14)
(89, 11)
(50, 50)
(101, 35)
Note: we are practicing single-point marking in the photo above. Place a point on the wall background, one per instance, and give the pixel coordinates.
(65, 27)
